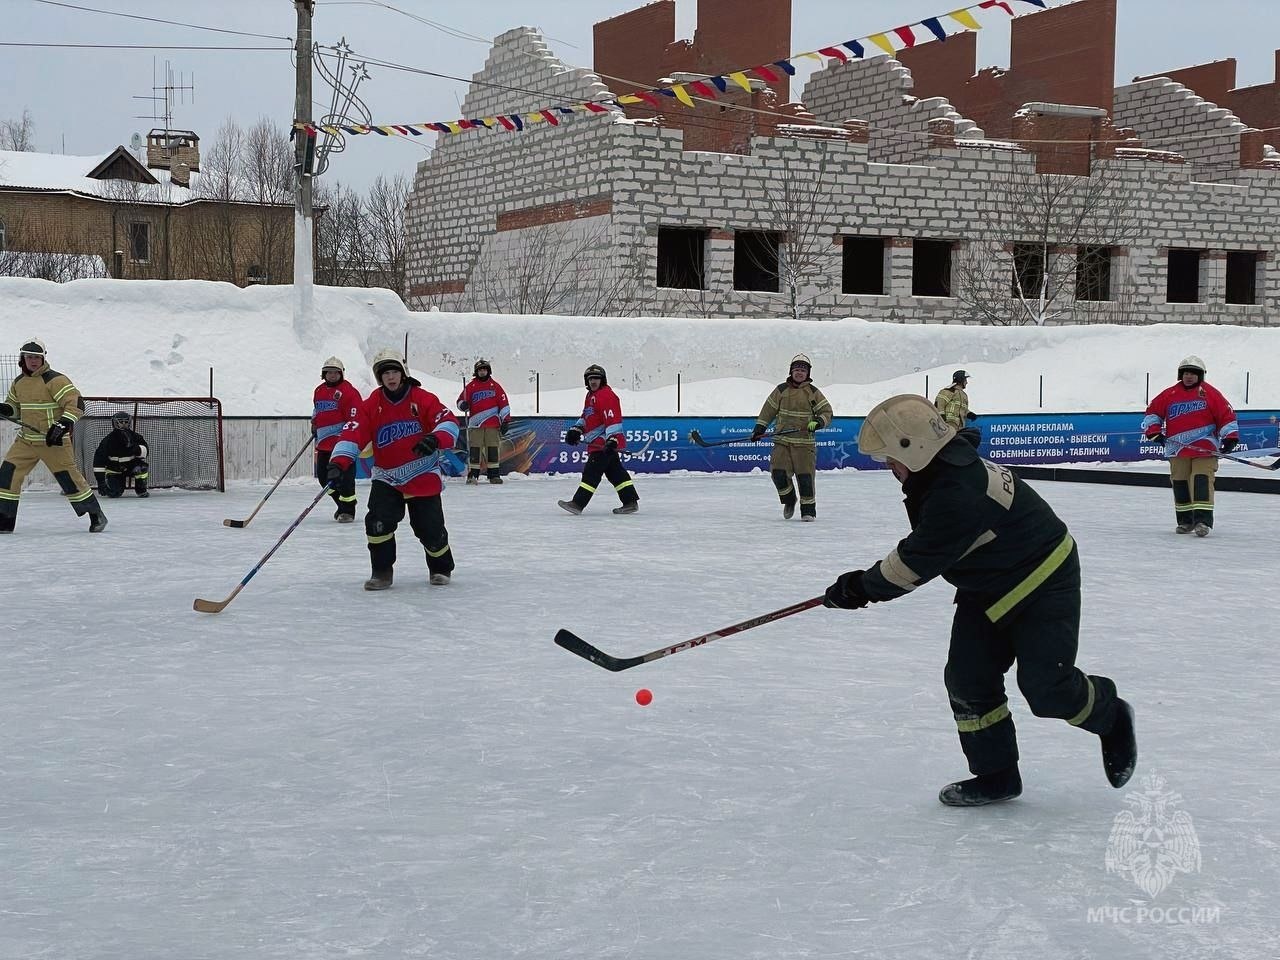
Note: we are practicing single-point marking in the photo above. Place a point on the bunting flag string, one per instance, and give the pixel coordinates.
(889, 42)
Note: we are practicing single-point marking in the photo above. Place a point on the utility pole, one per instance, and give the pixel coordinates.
(303, 247)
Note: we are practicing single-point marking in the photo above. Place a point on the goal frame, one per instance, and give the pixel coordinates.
(213, 403)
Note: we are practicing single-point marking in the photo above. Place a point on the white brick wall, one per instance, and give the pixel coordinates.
(950, 194)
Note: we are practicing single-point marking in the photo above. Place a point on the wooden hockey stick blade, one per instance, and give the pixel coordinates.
(212, 606)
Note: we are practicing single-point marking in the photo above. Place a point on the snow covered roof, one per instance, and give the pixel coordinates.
(55, 171)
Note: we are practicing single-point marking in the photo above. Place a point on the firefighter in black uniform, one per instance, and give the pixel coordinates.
(121, 454)
(1017, 576)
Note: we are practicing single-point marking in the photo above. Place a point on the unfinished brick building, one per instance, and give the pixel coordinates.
(916, 189)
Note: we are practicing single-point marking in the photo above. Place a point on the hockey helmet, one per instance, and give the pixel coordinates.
(595, 370)
(1192, 363)
(333, 363)
(34, 347)
(960, 376)
(481, 365)
(906, 428)
(388, 359)
(121, 420)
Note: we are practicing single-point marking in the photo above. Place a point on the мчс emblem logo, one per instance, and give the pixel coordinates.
(1152, 842)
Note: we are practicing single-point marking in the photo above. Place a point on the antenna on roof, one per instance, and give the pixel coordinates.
(164, 94)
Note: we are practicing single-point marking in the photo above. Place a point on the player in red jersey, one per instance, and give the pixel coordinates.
(600, 428)
(407, 427)
(334, 403)
(488, 415)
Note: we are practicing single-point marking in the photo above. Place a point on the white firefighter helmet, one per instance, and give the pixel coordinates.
(34, 347)
(333, 363)
(1191, 363)
(387, 358)
(907, 428)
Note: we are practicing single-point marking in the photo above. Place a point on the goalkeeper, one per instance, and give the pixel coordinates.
(121, 454)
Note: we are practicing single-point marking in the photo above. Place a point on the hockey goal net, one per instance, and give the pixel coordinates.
(183, 436)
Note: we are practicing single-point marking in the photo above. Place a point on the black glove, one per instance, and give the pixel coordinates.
(1230, 444)
(464, 406)
(573, 436)
(970, 417)
(758, 432)
(56, 432)
(427, 445)
(611, 444)
(140, 467)
(971, 436)
(847, 593)
(6, 410)
(1156, 438)
(504, 427)
(334, 473)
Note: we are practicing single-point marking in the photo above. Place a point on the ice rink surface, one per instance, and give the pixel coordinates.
(320, 772)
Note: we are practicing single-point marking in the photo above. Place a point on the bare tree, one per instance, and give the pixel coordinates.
(18, 134)
(1045, 247)
(567, 268)
(384, 211)
(341, 246)
(36, 249)
(797, 247)
(267, 179)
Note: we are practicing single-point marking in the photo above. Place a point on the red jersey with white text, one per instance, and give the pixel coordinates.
(601, 419)
(485, 403)
(331, 408)
(392, 427)
(1194, 421)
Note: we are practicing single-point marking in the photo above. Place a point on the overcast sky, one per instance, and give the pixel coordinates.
(83, 98)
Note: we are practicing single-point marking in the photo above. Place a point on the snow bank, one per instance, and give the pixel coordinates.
(160, 338)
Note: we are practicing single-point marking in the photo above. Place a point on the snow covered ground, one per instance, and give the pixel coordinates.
(160, 338)
(322, 772)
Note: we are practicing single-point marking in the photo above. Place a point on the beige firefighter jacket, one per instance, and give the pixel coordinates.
(791, 407)
(41, 398)
(953, 403)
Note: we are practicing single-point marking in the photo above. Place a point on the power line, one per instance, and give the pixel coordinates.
(172, 23)
(130, 46)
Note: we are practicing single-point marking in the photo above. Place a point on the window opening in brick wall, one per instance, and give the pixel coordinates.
(931, 268)
(2, 235)
(1093, 273)
(755, 260)
(1242, 277)
(140, 241)
(1028, 270)
(1184, 276)
(863, 265)
(682, 254)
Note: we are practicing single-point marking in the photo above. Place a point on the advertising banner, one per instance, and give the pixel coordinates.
(663, 444)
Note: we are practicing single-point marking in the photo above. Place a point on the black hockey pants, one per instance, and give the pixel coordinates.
(387, 507)
(1042, 635)
(344, 492)
(601, 464)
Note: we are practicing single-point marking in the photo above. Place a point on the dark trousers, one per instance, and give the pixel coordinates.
(387, 507)
(344, 493)
(1042, 636)
(605, 464)
(112, 482)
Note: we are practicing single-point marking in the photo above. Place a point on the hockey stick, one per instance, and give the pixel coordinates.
(1274, 465)
(696, 437)
(240, 524)
(21, 423)
(575, 644)
(217, 606)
